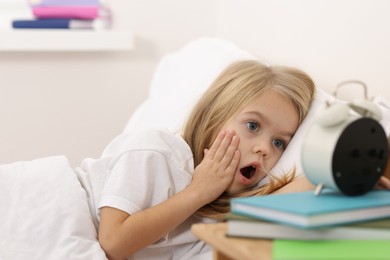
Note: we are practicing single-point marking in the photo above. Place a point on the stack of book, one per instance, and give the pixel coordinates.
(66, 14)
(325, 225)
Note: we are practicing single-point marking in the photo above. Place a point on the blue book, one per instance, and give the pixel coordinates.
(60, 23)
(306, 210)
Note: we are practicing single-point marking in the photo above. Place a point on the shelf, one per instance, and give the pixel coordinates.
(65, 40)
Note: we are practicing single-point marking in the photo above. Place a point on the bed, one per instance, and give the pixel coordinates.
(44, 209)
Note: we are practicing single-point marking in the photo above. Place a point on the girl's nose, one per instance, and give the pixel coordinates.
(262, 147)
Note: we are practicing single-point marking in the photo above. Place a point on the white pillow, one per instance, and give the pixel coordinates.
(180, 79)
(182, 76)
(44, 212)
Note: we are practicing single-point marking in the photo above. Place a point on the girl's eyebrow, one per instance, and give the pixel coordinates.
(285, 134)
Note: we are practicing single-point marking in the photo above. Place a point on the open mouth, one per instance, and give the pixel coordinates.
(248, 171)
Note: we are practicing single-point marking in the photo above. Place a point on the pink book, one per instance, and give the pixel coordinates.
(75, 12)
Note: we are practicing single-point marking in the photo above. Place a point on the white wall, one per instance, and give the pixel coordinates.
(75, 103)
(332, 40)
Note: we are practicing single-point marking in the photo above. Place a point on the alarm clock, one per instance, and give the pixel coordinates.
(345, 148)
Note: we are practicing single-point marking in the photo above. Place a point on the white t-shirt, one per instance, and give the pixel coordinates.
(136, 171)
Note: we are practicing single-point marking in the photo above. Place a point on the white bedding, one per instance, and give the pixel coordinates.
(44, 213)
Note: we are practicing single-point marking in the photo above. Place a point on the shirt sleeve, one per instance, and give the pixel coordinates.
(138, 180)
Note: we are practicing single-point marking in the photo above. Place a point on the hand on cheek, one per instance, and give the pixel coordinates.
(214, 174)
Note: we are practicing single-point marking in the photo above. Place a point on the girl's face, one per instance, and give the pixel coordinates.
(265, 127)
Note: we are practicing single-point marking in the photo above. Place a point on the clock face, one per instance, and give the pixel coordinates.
(360, 156)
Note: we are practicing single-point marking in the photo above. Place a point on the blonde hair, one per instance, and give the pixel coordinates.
(233, 89)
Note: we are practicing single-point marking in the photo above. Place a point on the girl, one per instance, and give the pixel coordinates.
(150, 186)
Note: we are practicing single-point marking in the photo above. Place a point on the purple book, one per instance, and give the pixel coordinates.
(64, 2)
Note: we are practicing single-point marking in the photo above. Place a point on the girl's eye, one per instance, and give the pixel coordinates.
(253, 126)
(280, 144)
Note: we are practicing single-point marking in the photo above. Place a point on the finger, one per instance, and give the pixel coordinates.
(384, 182)
(214, 147)
(230, 152)
(223, 147)
(232, 166)
(380, 184)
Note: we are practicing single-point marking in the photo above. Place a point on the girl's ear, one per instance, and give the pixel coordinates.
(387, 169)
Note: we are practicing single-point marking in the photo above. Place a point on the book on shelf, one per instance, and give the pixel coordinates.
(63, 2)
(241, 226)
(330, 249)
(75, 12)
(60, 24)
(306, 210)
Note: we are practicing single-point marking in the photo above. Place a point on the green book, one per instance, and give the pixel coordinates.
(331, 249)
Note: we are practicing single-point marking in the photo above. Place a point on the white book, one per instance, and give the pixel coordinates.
(238, 226)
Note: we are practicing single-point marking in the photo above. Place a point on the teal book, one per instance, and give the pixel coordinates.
(306, 210)
(325, 250)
